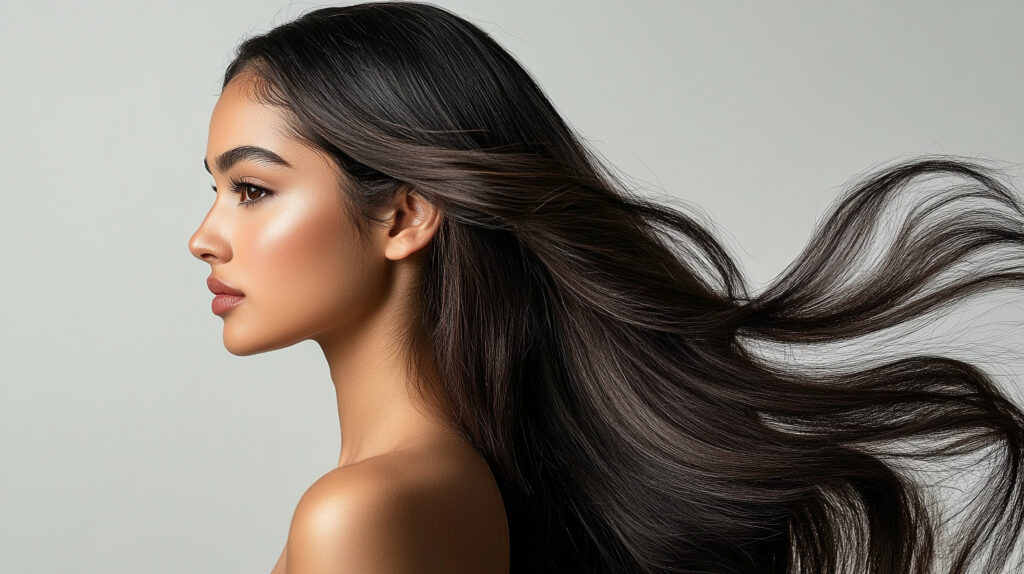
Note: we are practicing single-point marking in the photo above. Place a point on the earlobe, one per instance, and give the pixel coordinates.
(414, 223)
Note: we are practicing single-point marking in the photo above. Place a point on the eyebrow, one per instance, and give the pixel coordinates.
(228, 159)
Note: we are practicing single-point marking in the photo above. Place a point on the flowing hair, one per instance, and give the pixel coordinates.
(599, 349)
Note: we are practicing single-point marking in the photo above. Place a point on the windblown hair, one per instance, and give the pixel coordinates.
(598, 348)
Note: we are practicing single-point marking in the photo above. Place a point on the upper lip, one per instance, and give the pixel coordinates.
(218, 287)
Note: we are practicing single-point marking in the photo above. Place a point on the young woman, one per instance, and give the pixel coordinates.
(539, 371)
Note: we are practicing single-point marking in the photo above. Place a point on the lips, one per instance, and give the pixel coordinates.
(218, 287)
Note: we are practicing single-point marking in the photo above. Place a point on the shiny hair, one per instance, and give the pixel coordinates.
(599, 349)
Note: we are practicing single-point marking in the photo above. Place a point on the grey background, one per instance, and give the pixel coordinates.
(132, 441)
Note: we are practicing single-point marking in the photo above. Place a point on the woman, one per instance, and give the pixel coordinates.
(539, 371)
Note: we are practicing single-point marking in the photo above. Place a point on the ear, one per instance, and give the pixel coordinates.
(413, 223)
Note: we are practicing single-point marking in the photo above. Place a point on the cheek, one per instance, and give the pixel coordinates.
(307, 265)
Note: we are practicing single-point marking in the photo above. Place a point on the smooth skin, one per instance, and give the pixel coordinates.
(409, 495)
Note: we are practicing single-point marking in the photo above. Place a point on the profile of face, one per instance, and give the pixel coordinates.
(278, 231)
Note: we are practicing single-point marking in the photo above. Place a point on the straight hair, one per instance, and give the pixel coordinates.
(599, 349)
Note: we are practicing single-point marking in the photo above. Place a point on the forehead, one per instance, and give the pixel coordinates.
(239, 120)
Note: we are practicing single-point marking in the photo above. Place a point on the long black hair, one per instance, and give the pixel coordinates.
(597, 347)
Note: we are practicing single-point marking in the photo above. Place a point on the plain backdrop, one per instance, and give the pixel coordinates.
(132, 441)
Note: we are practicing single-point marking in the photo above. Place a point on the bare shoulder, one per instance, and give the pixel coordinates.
(421, 510)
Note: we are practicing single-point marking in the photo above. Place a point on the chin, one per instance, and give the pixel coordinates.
(245, 342)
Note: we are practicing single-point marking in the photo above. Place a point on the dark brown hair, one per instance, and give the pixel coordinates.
(598, 347)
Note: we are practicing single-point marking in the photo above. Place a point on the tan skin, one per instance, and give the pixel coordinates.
(408, 494)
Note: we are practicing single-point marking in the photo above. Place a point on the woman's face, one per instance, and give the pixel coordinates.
(282, 237)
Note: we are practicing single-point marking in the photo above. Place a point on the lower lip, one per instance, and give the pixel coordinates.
(223, 303)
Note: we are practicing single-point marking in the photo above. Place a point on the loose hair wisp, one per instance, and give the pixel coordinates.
(597, 347)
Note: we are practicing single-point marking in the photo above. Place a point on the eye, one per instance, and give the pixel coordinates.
(250, 192)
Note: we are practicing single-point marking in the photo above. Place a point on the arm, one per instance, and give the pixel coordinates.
(279, 567)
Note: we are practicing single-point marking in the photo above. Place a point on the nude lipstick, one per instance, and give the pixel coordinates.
(225, 297)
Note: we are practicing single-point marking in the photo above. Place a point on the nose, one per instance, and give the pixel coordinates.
(208, 242)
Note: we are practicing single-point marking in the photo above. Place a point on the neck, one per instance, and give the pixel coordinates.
(379, 410)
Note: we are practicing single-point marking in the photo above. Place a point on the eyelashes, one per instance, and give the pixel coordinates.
(245, 188)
